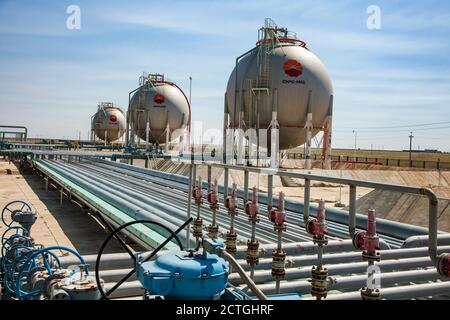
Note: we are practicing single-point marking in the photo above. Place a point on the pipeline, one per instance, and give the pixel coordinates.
(402, 292)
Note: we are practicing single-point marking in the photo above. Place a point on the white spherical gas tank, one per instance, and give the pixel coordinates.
(293, 71)
(109, 122)
(164, 106)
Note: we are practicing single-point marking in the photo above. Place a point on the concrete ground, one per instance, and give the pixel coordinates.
(67, 225)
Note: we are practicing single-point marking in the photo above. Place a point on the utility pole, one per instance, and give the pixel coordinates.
(356, 137)
(410, 149)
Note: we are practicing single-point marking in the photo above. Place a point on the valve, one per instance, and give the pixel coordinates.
(21, 213)
(319, 282)
(368, 241)
(278, 217)
(251, 207)
(230, 201)
(252, 211)
(25, 218)
(197, 194)
(213, 228)
(444, 265)
(230, 204)
(317, 227)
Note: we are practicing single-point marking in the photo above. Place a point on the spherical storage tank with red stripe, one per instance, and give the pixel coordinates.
(292, 71)
(109, 122)
(161, 104)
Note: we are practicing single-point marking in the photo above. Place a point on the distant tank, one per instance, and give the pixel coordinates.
(109, 122)
(280, 68)
(161, 105)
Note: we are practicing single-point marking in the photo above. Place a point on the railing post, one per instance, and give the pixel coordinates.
(307, 196)
(269, 192)
(245, 186)
(225, 183)
(209, 178)
(352, 211)
(188, 227)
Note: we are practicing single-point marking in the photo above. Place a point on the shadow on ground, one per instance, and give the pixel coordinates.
(83, 231)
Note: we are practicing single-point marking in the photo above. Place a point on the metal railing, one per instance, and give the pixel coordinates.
(353, 184)
(403, 163)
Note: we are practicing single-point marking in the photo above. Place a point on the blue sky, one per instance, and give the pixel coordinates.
(51, 78)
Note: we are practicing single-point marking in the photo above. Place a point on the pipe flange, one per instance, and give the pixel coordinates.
(233, 212)
(278, 263)
(213, 229)
(370, 294)
(371, 256)
(321, 241)
(230, 242)
(443, 265)
(198, 228)
(252, 252)
(319, 282)
(281, 227)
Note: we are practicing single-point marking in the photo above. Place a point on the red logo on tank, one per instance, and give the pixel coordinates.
(113, 118)
(293, 68)
(159, 98)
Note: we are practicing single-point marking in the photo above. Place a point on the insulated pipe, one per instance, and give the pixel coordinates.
(402, 292)
(170, 203)
(263, 276)
(299, 248)
(353, 282)
(174, 201)
(245, 278)
(133, 170)
(393, 228)
(109, 261)
(126, 289)
(334, 228)
(422, 241)
(121, 202)
(134, 288)
(344, 257)
(116, 275)
(132, 198)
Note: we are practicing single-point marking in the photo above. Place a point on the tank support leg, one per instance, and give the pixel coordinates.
(309, 128)
(327, 136)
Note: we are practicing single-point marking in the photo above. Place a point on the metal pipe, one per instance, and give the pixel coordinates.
(269, 192)
(245, 198)
(299, 248)
(189, 203)
(401, 292)
(307, 197)
(344, 257)
(245, 278)
(352, 211)
(262, 276)
(384, 226)
(125, 202)
(353, 282)
(422, 241)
